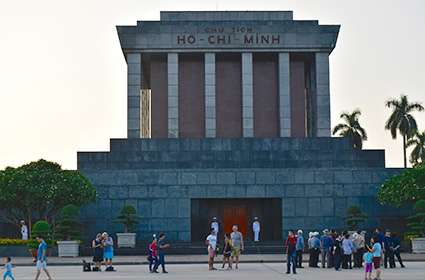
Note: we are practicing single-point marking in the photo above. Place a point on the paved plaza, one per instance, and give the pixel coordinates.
(415, 271)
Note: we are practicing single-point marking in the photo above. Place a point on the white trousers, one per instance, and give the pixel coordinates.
(256, 236)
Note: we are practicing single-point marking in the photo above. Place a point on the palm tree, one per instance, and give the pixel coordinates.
(418, 152)
(402, 120)
(351, 128)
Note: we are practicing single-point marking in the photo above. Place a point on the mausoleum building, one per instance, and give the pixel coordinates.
(229, 117)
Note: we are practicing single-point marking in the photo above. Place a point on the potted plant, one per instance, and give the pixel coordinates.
(129, 219)
(354, 218)
(42, 229)
(417, 224)
(68, 231)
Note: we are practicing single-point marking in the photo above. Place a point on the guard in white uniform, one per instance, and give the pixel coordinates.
(24, 230)
(214, 225)
(256, 229)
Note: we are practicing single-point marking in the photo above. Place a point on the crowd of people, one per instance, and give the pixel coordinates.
(332, 249)
(344, 250)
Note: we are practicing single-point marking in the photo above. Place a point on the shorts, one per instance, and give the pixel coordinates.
(211, 252)
(368, 267)
(236, 251)
(108, 255)
(376, 262)
(41, 265)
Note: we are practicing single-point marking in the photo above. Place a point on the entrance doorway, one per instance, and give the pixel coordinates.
(235, 216)
(240, 212)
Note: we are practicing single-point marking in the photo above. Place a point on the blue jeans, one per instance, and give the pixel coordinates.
(152, 262)
(291, 260)
(161, 261)
(8, 274)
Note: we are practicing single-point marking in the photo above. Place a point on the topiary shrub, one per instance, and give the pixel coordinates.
(40, 229)
(417, 221)
(68, 226)
(355, 217)
(128, 217)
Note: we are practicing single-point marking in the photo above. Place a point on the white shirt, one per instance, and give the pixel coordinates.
(212, 241)
(214, 225)
(24, 232)
(256, 226)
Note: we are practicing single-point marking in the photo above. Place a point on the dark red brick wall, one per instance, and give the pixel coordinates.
(191, 96)
(228, 95)
(159, 99)
(265, 96)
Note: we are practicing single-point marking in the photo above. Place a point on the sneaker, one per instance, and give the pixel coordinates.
(164, 271)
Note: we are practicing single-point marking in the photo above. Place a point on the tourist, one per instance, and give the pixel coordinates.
(325, 246)
(310, 249)
(388, 250)
(397, 245)
(377, 255)
(211, 242)
(359, 244)
(347, 248)
(333, 236)
(315, 249)
(256, 229)
(97, 246)
(153, 255)
(24, 230)
(162, 245)
(368, 261)
(337, 252)
(237, 244)
(8, 269)
(290, 245)
(108, 251)
(42, 258)
(227, 251)
(300, 248)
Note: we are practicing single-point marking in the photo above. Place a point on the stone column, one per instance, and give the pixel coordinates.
(210, 117)
(323, 105)
(173, 95)
(284, 96)
(247, 96)
(134, 85)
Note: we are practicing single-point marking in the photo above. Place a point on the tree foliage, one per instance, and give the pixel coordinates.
(417, 221)
(128, 217)
(38, 190)
(351, 128)
(355, 217)
(407, 187)
(401, 120)
(417, 155)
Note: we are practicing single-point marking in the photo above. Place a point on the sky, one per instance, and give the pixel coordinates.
(63, 75)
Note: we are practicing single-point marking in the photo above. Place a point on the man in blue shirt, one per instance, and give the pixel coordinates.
(299, 247)
(162, 245)
(326, 243)
(42, 258)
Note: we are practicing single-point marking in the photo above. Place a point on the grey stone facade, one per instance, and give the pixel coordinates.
(316, 178)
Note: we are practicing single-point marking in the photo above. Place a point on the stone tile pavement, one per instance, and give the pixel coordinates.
(183, 259)
(247, 271)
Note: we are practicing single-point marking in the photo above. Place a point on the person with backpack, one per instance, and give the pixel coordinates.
(337, 253)
(227, 252)
(153, 255)
(291, 253)
(97, 246)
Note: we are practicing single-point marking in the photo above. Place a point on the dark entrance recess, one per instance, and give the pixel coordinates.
(240, 212)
